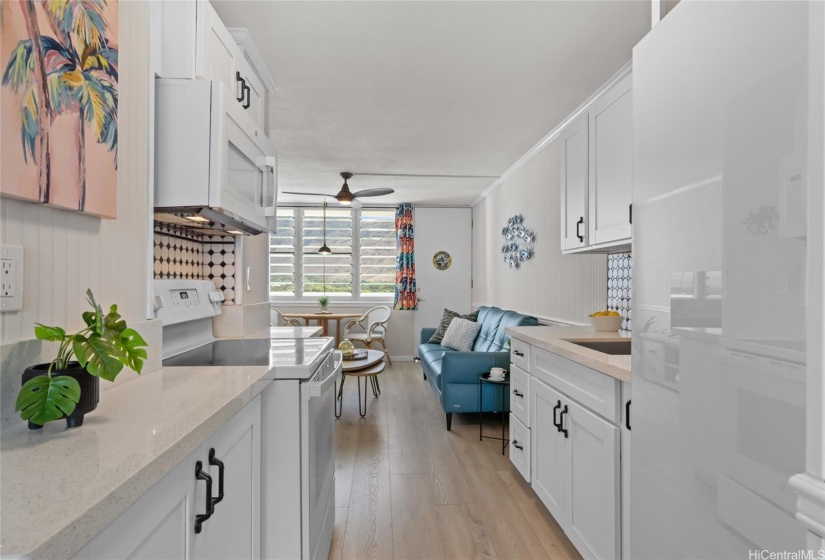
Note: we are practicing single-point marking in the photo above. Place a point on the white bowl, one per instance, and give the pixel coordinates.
(606, 324)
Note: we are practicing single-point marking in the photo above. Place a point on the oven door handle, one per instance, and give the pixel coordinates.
(318, 386)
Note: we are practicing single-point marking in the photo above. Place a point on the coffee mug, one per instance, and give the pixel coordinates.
(497, 373)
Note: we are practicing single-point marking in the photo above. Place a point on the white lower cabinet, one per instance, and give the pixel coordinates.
(549, 450)
(161, 524)
(592, 482)
(575, 470)
(520, 447)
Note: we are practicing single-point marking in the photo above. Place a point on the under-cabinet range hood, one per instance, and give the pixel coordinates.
(213, 169)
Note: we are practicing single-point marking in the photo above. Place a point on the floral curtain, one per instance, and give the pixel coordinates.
(405, 298)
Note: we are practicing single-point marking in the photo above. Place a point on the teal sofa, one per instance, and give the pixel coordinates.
(454, 375)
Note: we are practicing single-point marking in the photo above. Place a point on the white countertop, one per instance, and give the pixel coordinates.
(61, 487)
(558, 341)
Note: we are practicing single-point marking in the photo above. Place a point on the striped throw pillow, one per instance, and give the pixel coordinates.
(446, 319)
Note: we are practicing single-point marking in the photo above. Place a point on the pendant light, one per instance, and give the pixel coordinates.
(324, 250)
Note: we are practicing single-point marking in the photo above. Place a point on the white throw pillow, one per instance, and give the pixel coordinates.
(461, 334)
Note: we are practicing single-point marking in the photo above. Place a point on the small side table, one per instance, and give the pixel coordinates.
(501, 387)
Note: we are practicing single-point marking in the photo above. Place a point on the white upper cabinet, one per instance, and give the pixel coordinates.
(596, 174)
(611, 157)
(196, 44)
(573, 155)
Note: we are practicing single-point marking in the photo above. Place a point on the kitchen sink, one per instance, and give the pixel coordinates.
(618, 347)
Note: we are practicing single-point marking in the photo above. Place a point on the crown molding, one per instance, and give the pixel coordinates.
(243, 37)
(553, 134)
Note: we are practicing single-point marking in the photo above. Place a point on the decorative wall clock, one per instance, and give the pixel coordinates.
(442, 260)
(518, 242)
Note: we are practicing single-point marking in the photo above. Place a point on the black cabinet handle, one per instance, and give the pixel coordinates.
(247, 93)
(561, 423)
(630, 212)
(555, 410)
(627, 414)
(578, 231)
(519, 354)
(200, 474)
(218, 463)
(516, 393)
(243, 86)
(517, 446)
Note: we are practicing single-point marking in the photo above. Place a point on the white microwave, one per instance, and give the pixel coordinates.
(209, 165)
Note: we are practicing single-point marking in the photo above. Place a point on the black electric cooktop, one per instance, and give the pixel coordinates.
(252, 352)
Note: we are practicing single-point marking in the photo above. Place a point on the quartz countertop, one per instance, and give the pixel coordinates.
(61, 487)
(558, 341)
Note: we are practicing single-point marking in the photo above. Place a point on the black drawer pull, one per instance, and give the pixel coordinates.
(516, 393)
(555, 421)
(243, 86)
(561, 423)
(517, 446)
(200, 518)
(519, 354)
(627, 414)
(247, 93)
(578, 232)
(218, 463)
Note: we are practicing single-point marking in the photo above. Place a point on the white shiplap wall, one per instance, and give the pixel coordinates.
(65, 252)
(551, 286)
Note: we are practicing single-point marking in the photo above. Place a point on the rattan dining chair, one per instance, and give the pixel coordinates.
(280, 321)
(374, 323)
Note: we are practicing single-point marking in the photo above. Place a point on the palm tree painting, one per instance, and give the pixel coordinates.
(59, 102)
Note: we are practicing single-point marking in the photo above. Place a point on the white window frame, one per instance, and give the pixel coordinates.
(356, 297)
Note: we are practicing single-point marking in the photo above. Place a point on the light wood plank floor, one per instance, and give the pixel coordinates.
(407, 488)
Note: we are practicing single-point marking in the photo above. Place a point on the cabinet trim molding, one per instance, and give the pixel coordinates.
(553, 134)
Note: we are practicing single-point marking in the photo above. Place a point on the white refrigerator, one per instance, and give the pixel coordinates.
(720, 154)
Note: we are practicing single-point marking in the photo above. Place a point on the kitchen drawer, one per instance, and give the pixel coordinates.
(520, 394)
(591, 388)
(520, 354)
(520, 446)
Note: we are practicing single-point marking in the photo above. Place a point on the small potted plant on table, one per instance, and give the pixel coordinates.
(67, 388)
(323, 301)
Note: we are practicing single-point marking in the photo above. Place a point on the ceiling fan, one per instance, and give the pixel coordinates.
(345, 196)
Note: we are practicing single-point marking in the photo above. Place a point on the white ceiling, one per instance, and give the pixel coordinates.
(459, 88)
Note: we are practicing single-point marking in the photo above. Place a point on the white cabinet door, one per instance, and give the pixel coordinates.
(549, 449)
(610, 163)
(574, 169)
(233, 530)
(593, 482)
(625, 468)
(157, 526)
(520, 394)
(520, 447)
(217, 56)
(254, 96)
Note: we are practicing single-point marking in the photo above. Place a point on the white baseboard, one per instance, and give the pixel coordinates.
(401, 358)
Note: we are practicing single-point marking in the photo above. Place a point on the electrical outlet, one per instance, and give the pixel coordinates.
(11, 278)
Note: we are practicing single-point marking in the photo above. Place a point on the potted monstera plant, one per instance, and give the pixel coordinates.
(68, 386)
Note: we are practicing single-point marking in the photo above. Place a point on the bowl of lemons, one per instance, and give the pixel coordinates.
(606, 321)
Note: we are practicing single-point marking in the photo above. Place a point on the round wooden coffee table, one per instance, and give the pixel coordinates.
(368, 368)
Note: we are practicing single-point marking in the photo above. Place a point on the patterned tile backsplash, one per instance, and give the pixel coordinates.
(620, 286)
(181, 253)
